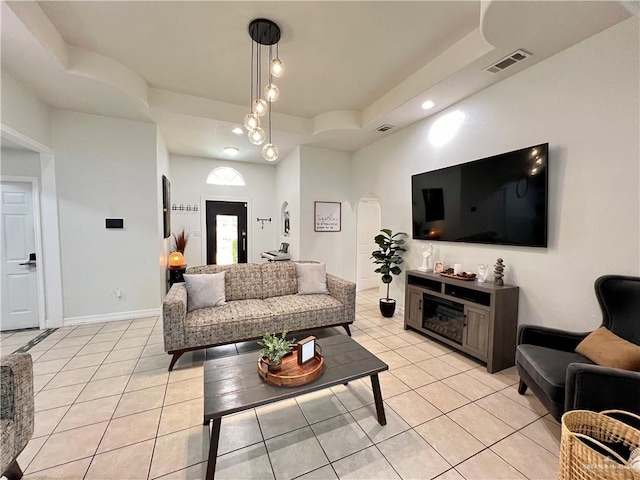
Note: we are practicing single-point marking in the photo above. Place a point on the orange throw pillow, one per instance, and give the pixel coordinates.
(605, 348)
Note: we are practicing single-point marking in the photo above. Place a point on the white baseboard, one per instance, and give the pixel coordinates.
(112, 317)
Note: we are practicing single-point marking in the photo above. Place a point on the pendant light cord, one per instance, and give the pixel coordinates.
(251, 74)
(270, 82)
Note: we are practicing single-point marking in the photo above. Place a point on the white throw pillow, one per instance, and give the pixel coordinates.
(204, 290)
(312, 278)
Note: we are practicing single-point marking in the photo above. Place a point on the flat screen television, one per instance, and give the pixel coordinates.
(498, 200)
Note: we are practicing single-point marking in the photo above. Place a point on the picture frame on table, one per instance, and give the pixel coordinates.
(438, 267)
(306, 350)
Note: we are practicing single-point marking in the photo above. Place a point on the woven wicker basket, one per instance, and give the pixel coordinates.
(582, 432)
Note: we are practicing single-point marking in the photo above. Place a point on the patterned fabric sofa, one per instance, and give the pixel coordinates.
(261, 298)
(16, 411)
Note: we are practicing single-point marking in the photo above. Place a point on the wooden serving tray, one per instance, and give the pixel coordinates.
(466, 279)
(291, 374)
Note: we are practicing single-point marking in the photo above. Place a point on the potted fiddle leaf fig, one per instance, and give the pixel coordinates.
(389, 257)
(273, 349)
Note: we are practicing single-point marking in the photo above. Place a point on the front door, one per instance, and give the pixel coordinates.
(19, 278)
(226, 232)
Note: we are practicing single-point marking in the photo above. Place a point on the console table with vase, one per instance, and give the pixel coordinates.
(176, 274)
(479, 319)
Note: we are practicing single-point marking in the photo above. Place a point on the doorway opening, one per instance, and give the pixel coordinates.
(226, 227)
(21, 280)
(367, 226)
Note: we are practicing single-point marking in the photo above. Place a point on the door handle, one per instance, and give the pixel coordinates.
(420, 304)
(31, 261)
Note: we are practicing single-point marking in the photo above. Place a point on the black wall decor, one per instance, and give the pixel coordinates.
(166, 203)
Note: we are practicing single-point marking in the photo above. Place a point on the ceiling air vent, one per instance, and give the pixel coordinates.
(384, 127)
(507, 61)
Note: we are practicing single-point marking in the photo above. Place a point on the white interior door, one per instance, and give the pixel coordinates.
(368, 227)
(19, 277)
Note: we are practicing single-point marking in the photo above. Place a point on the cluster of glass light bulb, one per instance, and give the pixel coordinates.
(259, 108)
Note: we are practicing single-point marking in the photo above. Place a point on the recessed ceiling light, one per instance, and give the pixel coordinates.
(231, 150)
(238, 131)
(428, 104)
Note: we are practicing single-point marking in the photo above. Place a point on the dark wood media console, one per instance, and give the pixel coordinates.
(479, 319)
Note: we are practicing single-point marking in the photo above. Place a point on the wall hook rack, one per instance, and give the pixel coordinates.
(184, 208)
(263, 220)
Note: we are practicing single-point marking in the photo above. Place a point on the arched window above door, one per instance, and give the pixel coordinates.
(225, 176)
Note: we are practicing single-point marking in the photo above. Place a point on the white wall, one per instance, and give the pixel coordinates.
(23, 112)
(188, 187)
(325, 175)
(20, 162)
(584, 102)
(107, 168)
(288, 190)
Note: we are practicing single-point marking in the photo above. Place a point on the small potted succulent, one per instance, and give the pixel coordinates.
(388, 256)
(273, 349)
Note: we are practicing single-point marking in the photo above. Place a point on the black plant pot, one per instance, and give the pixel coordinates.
(387, 307)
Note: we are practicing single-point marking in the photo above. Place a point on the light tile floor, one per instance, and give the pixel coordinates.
(106, 408)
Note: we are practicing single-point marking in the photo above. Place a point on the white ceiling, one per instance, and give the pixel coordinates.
(350, 66)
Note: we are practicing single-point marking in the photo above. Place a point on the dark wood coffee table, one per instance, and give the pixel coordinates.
(232, 384)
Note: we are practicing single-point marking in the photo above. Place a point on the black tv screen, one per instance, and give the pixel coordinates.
(496, 200)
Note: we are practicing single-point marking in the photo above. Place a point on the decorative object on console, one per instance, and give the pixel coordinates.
(438, 267)
(426, 257)
(483, 271)
(263, 32)
(457, 268)
(467, 276)
(498, 272)
(274, 349)
(176, 259)
(388, 256)
(180, 241)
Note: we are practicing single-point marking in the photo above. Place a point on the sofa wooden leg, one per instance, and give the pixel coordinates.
(176, 356)
(346, 327)
(522, 387)
(13, 472)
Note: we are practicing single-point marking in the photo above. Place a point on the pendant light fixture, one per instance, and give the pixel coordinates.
(263, 33)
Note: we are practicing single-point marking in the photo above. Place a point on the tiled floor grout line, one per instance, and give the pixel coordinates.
(155, 439)
(264, 440)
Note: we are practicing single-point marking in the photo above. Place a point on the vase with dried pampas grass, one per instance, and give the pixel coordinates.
(180, 240)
